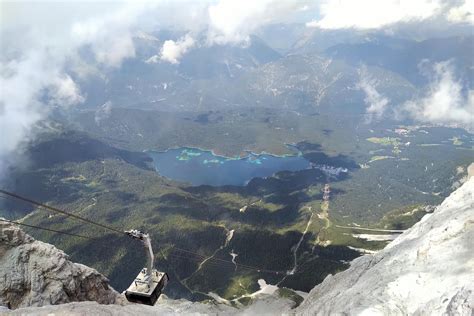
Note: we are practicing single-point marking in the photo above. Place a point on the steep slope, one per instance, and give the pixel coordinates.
(195, 83)
(428, 270)
(309, 82)
(404, 57)
(34, 273)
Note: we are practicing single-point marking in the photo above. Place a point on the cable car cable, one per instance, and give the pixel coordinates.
(44, 228)
(57, 210)
(10, 195)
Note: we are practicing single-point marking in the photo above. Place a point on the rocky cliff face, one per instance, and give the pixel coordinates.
(427, 270)
(33, 273)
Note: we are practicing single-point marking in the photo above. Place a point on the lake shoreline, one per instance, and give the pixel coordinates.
(204, 167)
(215, 153)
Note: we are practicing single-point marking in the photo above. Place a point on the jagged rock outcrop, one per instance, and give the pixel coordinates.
(427, 270)
(33, 273)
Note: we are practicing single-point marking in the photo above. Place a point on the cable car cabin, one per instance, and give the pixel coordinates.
(147, 286)
(145, 292)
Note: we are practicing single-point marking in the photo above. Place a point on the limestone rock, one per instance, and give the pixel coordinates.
(427, 270)
(34, 273)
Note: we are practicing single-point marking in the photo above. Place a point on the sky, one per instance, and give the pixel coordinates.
(39, 38)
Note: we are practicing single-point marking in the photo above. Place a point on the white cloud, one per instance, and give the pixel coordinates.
(373, 14)
(18, 106)
(376, 103)
(313, 23)
(39, 42)
(172, 51)
(22, 86)
(463, 13)
(153, 59)
(64, 91)
(230, 21)
(109, 36)
(233, 21)
(444, 101)
(103, 112)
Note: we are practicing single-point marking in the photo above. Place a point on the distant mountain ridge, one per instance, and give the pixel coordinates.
(252, 74)
(404, 57)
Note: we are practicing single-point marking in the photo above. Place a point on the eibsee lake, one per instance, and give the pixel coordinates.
(200, 167)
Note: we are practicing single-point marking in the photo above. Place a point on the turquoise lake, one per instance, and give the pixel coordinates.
(200, 167)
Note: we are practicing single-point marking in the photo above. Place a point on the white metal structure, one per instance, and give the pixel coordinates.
(147, 286)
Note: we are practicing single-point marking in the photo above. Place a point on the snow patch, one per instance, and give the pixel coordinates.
(372, 237)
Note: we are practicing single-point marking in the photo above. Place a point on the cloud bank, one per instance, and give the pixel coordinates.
(24, 84)
(37, 45)
(173, 51)
(103, 112)
(376, 103)
(463, 13)
(374, 14)
(444, 101)
(233, 21)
